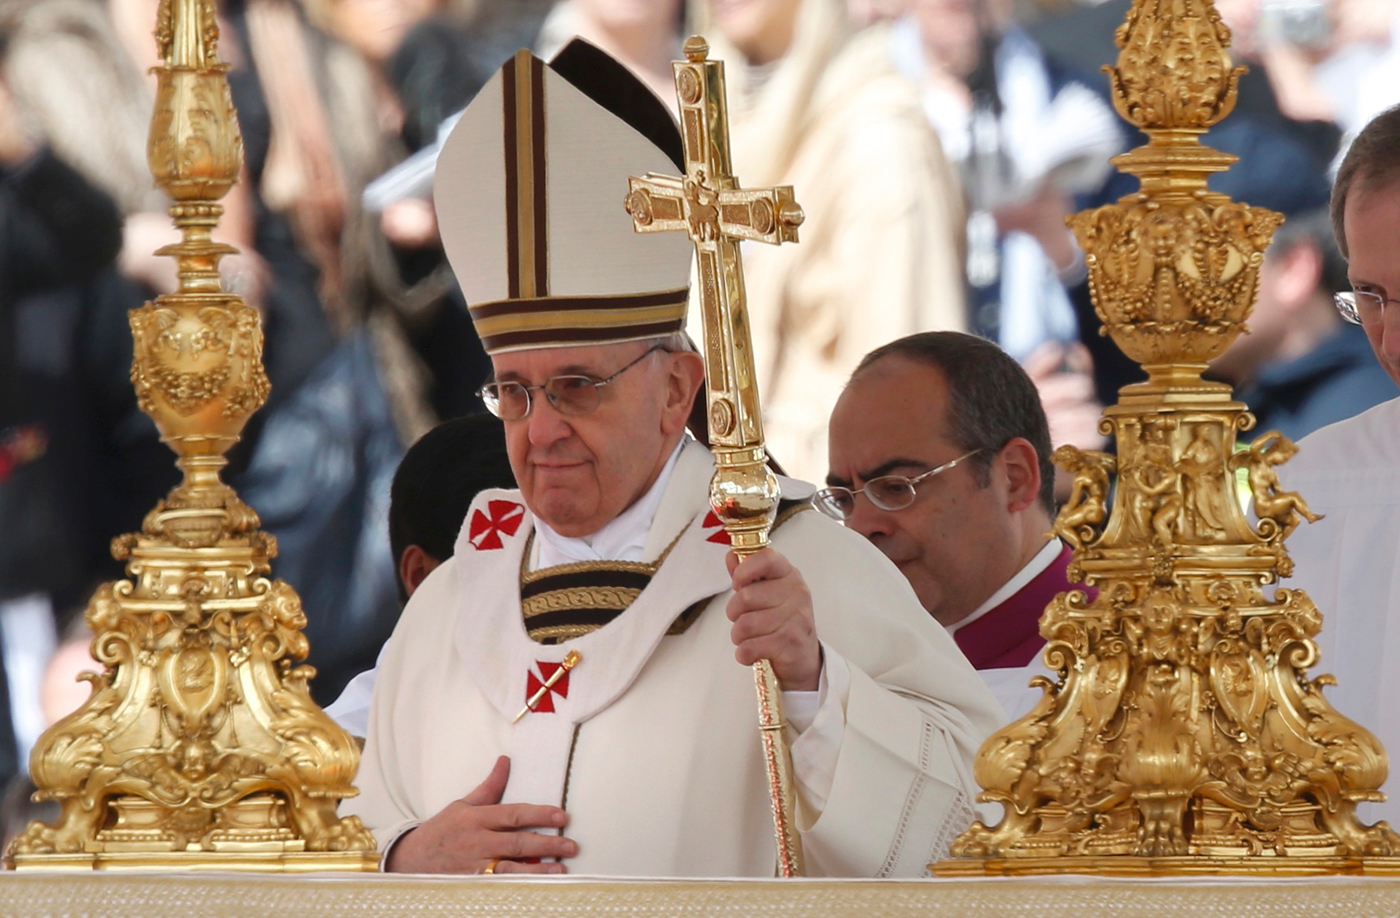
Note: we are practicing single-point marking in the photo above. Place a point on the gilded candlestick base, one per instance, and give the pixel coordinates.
(1183, 735)
(199, 746)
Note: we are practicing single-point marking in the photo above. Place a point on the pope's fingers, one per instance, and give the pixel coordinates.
(785, 617)
(529, 845)
(768, 564)
(522, 816)
(789, 593)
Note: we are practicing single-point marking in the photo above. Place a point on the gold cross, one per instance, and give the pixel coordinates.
(709, 205)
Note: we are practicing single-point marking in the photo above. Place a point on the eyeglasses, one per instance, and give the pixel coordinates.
(1361, 306)
(573, 395)
(888, 492)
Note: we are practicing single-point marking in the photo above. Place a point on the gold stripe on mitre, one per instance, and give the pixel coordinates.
(527, 241)
(564, 321)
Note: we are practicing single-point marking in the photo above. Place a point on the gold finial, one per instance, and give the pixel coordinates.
(1173, 72)
(200, 745)
(696, 49)
(1183, 735)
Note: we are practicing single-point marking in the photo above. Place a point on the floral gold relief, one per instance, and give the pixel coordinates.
(199, 746)
(1184, 734)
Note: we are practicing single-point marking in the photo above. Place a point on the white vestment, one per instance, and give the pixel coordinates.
(655, 749)
(1349, 564)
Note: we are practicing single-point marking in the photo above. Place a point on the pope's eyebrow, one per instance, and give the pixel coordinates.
(571, 370)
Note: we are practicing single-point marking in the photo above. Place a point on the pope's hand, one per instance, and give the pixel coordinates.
(772, 614)
(478, 832)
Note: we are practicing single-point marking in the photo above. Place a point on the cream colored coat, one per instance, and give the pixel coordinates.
(655, 752)
(880, 255)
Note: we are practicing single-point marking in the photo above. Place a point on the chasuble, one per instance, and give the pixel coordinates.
(650, 741)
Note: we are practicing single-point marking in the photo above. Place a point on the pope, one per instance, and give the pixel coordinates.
(571, 690)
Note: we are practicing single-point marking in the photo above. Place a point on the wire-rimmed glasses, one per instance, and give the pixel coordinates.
(1361, 306)
(888, 492)
(573, 395)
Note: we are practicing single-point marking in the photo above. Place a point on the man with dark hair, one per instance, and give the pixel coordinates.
(1350, 471)
(940, 456)
(433, 487)
(1301, 367)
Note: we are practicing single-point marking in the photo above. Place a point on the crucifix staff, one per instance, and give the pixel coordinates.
(708, 204)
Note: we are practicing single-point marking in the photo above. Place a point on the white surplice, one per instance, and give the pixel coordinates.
(1349, 564)
(655, 749)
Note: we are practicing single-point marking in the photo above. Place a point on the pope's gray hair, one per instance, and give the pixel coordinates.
(675, 342)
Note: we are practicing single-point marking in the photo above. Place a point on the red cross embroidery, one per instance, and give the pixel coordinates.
(534, 683)
(501, 516)
(720, 536)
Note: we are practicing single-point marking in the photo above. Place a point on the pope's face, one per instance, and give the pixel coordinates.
(1372, 224)
(958, 542)
(578, 473)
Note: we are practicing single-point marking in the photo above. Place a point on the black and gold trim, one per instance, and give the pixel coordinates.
(527, 212)
(562, 321)
(563, 603)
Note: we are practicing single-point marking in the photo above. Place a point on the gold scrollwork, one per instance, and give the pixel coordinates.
(1183, 735)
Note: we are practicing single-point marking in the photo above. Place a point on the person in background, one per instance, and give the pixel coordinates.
(434, 485)
(817, 105)
(1030, 140)
(642, 35)
(55, 229)
(940, 456)
(1301, 366)
(1350, 471)
(1026, 137)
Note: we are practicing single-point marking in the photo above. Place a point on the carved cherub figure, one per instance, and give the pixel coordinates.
(1079, 519)
(1284, 509)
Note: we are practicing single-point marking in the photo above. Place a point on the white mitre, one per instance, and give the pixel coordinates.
(529, 195)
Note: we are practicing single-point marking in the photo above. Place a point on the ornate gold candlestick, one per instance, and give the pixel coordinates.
(199, 746)
(1184, 735)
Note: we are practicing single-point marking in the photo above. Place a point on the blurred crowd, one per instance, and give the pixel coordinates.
(936, 147)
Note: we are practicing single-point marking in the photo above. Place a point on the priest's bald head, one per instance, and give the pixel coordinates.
(960, 425)
(580, 315)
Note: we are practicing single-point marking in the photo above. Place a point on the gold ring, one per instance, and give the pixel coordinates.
(491, 866)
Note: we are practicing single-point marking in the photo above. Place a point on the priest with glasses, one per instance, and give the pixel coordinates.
(572, 691)
(940, 457)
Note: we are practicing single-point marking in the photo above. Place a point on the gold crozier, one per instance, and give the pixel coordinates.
(708, 204)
